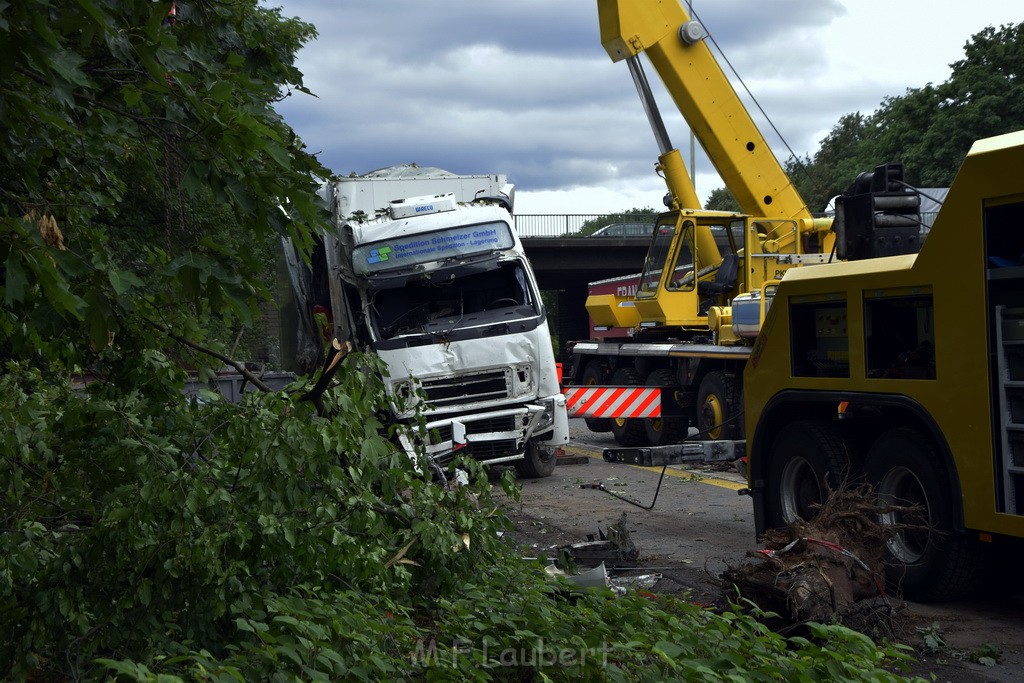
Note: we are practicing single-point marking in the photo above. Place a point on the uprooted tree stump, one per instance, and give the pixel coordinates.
(830, 570)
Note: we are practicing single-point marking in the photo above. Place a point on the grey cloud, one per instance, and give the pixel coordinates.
(522, 88)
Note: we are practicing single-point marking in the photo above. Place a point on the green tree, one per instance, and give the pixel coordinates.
(118, 122)
(721, 199)
(928, 129)
(634, 215)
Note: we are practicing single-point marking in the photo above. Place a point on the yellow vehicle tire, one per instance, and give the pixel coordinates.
(664, 430)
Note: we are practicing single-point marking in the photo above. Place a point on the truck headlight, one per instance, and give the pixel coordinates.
(547, 418)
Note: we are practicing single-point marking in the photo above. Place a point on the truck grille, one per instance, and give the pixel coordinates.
(482, 450)
(484, 386)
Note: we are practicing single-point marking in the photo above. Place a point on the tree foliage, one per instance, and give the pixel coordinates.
(117, 123)
(162, 540)
(721, 199)
(634, 215)
(928, 129)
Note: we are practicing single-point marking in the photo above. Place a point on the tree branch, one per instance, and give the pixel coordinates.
(239, 367)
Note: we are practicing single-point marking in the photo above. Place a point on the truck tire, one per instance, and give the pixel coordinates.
(627, 431)
(537, 463)
(806, 459)
(664, 431)
(928, 561)
(592, 377)
(719, 411)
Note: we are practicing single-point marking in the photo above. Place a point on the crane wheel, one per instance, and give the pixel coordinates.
(719, 410)
(664, 431)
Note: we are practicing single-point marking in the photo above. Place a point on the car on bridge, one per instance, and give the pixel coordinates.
(625, 230)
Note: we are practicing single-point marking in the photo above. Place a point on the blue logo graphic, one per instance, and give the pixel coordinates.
(379, 255)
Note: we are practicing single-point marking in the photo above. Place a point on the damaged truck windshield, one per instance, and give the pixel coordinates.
(459, 302)
(448, 284)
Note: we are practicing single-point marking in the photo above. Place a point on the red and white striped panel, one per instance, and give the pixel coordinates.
(613, 401)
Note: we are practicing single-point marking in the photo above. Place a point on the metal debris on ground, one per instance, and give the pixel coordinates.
(617, 548)
(620, 584)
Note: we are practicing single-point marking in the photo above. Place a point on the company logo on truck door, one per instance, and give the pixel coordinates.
(379, 255)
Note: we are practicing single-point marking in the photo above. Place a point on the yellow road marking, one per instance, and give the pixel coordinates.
(693, 476)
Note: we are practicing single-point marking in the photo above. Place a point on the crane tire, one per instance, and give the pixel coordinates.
(664, 431)
(719, 411)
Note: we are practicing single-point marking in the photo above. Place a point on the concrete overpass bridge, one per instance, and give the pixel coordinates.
(564, 266)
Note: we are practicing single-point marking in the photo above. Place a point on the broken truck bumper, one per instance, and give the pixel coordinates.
(494, 436)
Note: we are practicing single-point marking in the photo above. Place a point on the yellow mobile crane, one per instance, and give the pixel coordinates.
(685, 331)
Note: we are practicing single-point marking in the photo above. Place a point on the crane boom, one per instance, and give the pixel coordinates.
(675, 46)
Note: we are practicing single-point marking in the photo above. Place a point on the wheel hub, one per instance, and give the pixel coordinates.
(713, 414)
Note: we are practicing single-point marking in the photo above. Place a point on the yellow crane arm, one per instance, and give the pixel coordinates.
(675, 46)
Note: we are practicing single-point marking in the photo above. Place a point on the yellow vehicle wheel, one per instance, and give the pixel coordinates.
(806, 459)
(926, 557)
(664, 430)
(719, 413)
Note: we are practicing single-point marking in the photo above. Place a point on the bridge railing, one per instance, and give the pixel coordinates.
(570, 225)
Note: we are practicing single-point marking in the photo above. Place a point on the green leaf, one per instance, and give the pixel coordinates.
(122, 281)
(14, 280)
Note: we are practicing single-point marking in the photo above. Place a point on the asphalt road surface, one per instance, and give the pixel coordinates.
(699, 525)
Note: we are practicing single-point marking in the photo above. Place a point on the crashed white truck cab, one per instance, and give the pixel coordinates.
(441, 290)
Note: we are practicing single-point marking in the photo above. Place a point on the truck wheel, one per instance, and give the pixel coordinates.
(926, 558)
(664, 431)
(592, 377)
(719, 412)
(627, 431)
(537, 463)
(806, 458)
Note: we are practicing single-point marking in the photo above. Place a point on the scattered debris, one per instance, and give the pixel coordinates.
(616, 548)
(571, 459)
(620, 584)
(829, 570)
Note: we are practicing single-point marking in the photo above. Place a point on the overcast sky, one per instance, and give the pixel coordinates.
(525, 88)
